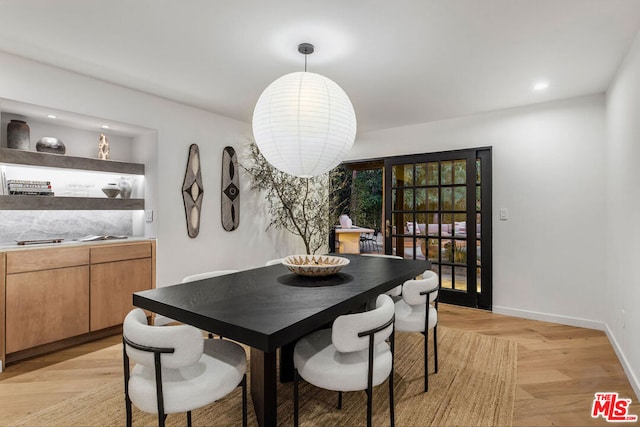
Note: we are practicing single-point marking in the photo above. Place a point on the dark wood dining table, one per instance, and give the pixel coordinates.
(270, 308)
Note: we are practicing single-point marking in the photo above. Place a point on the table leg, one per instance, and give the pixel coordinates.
(286, 362)
(263, 386)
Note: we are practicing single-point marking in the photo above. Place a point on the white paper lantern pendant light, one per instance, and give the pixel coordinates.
(304, 123)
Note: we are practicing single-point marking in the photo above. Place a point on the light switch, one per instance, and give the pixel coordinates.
(504, 214)
(148, 215)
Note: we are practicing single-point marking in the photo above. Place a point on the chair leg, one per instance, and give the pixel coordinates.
(426, 360)
(127, 400)
(188, 418)
(161, 419)
(391, 405)
(128, 406)
(369, 405)
(295, 398)
(339, 400)
(435, 346)
(244, 401)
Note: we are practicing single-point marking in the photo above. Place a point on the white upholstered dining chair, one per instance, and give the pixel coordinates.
(417, 311)
(176, 370)
(353, 355)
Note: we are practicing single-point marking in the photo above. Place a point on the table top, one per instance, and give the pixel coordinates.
(354, 230)
(269, 307)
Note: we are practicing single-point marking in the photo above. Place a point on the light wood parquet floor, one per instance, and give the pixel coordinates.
(559, 370)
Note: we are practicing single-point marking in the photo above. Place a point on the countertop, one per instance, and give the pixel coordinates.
(6, 247)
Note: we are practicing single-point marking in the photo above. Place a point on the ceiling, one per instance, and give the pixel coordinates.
(401, 62)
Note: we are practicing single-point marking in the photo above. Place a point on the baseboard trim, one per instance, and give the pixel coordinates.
(545, 317)
(580, 323)
(633, 379)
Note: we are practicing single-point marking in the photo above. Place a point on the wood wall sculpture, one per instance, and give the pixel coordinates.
(193, 191)
(230, 206)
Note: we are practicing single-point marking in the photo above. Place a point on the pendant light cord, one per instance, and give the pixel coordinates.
(305, 49)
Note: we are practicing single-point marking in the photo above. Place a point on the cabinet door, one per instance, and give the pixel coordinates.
(46, 306)
(112, 286)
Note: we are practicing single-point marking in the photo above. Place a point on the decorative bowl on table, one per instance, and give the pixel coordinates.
(314, 265)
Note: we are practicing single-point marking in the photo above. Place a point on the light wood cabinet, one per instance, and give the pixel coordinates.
(51, 298)
(46, 296)
(114, 282)
(121, 252)
(46, 259)
(46, 306)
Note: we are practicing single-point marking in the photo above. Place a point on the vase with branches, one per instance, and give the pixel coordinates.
(305, 207)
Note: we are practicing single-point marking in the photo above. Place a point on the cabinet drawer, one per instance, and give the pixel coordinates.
(110, 253)
(46, 259)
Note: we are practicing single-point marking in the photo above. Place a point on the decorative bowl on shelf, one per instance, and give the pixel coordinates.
(111, 190)
(49, 144)
(314, 265)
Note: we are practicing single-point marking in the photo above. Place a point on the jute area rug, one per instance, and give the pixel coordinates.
(475, 386)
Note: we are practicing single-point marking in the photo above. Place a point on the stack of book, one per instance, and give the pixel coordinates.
(30, 188)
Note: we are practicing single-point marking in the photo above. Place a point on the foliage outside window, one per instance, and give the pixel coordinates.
(360, 192)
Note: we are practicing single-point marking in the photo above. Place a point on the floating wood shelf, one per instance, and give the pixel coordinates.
(68, 203)
(32, 158)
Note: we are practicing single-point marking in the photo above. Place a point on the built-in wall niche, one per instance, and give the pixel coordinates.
(78, 176)
(79, 133)
(78, 183)
(78, 142)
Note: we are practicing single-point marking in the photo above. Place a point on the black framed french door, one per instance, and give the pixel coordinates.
(438, 207)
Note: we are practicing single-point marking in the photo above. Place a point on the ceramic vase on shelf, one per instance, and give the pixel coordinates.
(111, 190)
(125, 187)
(18, 135)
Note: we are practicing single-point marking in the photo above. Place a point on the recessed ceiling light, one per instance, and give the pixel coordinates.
(105, 126)
(540, 86)
(51, 116)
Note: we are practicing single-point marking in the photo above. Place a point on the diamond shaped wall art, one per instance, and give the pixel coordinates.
(230, 190)
(193, 191)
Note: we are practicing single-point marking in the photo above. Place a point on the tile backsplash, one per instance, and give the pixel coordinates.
(62, 224)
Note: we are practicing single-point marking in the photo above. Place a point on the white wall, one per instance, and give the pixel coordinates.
(177, 127)
(548, 170)
(622, 285)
